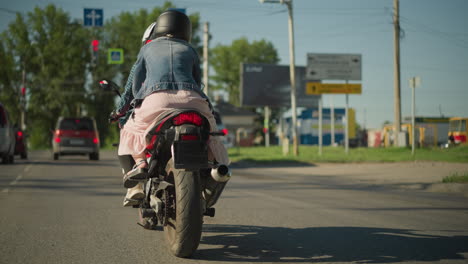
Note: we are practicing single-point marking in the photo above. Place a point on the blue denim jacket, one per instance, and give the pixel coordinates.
(163, 64)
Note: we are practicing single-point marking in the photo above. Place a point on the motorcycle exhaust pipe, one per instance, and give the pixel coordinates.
(221, 173)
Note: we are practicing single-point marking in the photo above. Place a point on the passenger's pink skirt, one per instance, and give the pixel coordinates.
(132, 135)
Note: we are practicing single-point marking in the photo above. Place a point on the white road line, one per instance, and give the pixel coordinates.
(17, 179)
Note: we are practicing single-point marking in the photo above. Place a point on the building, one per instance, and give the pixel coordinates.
(308, 125)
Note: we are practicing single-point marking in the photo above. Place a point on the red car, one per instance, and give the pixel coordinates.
(76, 136)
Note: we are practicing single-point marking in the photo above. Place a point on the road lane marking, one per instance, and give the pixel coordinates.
(17, 179)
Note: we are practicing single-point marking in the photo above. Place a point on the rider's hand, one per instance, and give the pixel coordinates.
(114, 116)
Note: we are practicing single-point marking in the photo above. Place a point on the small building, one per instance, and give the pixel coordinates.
(429, 131)
(308, 125)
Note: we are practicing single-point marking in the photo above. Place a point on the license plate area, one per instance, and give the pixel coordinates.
(190, 155)
(77, 141)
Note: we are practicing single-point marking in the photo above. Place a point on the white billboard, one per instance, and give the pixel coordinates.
(323, 66)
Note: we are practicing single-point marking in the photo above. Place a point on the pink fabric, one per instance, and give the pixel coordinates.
(132, 135)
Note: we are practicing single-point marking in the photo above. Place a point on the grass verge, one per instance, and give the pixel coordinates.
(309, 154)
(456, 178)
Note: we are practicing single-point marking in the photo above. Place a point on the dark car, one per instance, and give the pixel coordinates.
(76, 136)
(7, 137)
(221, 127)
(21, 146)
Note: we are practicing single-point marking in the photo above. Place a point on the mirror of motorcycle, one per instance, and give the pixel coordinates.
(108, 85)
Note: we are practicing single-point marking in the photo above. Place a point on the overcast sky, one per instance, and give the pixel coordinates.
(434, 47)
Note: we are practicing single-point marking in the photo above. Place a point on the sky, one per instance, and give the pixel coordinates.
(434, 44)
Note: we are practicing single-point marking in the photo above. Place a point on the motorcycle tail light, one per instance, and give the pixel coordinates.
(187, 118)
(189, 137)
(225, 131)
(19, 134)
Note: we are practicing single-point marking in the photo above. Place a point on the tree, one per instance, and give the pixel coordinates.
(52, 51)
(226, 62)
(55, 53)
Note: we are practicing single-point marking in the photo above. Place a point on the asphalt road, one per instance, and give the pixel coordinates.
(70, 211)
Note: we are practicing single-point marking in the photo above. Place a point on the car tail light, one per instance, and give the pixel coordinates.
(191, 118)
(189, 137)
(95, 140)
(19, 134)
(225, 131)
(57, 135)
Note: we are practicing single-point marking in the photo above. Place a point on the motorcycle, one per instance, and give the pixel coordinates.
(181, 185)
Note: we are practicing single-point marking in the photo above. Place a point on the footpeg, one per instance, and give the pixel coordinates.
(210, 212)
(131, 179)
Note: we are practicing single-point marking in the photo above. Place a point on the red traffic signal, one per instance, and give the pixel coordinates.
(95, 44)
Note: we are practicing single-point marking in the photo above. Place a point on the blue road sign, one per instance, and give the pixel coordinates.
(93, 17)
(115, 56)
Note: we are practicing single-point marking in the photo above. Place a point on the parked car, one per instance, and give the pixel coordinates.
(7, 137)
(76, 136)
(21, 146)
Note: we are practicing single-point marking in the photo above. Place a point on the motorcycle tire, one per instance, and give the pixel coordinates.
(184, 226)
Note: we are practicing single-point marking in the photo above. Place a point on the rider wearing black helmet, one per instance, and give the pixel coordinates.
(174, 24)
(166, 76)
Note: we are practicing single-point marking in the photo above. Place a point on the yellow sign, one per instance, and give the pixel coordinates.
(333, 88)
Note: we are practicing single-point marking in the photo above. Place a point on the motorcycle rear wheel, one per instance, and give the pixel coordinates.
(184, 224)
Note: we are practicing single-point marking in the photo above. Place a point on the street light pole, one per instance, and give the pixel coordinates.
(292, 71)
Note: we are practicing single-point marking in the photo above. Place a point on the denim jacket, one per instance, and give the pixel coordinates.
(163, 64)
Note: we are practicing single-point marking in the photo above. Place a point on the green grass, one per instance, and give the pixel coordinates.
(456, 178)
(309, 154)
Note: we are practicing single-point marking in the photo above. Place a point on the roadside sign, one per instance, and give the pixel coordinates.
(115, 56)
(264, 84)
(415, 82)
(322, 66)
(93, 17)
(333, 88)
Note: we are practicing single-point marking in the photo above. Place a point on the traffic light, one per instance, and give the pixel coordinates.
(95, 49)
(95, 44)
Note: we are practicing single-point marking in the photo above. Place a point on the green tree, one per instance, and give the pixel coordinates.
(226, 60)
(53, 51)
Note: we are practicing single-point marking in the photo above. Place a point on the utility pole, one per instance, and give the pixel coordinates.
(206, 36)
(292, 71)
(23, 98)
(397, 92)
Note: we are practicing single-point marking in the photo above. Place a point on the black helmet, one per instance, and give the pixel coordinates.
(173, 23)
